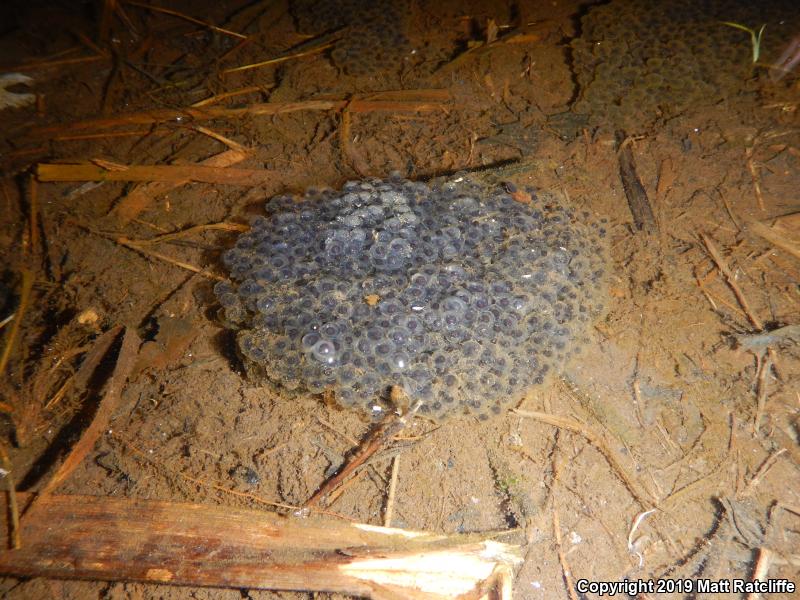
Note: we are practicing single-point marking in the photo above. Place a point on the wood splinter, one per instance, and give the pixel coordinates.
(388, 428)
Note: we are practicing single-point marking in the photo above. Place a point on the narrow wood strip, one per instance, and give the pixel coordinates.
(397, 100)
(140, 198)
(172, 173)
(188, 114)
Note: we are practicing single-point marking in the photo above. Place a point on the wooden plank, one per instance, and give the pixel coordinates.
(164, 542)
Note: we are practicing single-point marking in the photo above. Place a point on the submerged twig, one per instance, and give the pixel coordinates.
(280, 59)
(24, 298)
(140, 198)
(168, 237)
(123, 241)
(595, 440)
(391, 425)
(175, 13)
(387, 516)
(566, 571)
(421, 100)
(107, 405)
(12, 497)
(777, 236)
(731, 280)
(33, 214)
(166, 173)
(219, 97)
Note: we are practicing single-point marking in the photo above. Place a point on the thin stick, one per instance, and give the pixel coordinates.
(4, 187)
(124, 367)
(140, 198)
(94, 136)
(108, 403)
(701, 285)
(734, 309)
(762, 471)
(232, 144)
(338, 492)
(57, 63)
(712, 476)
(761, 394)
(123, 16)
(765, 556)
(789, 507)
(106, 16)
(167, 173)
(33, 220)
(24, 298)
(391, 425)
(219, 97)
(59, 395)
(7, 320)
(56, 55)
(12, 498)
(595, 440)
(387, 517)
(123, 241)
(390, 101)
(566, 572)
(160, 466)
(168, 237)
(197, 114)
(754, 176)
(175, 13)
(89, 43)
(280, 59)
(350, 440)
(731, 280)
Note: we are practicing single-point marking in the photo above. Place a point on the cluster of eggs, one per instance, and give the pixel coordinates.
(371, 32)
(456, 293)
(637, 61)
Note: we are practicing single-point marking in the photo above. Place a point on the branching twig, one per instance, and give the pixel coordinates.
(390, 427)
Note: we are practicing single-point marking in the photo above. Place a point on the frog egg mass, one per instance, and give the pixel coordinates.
(456, 293)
